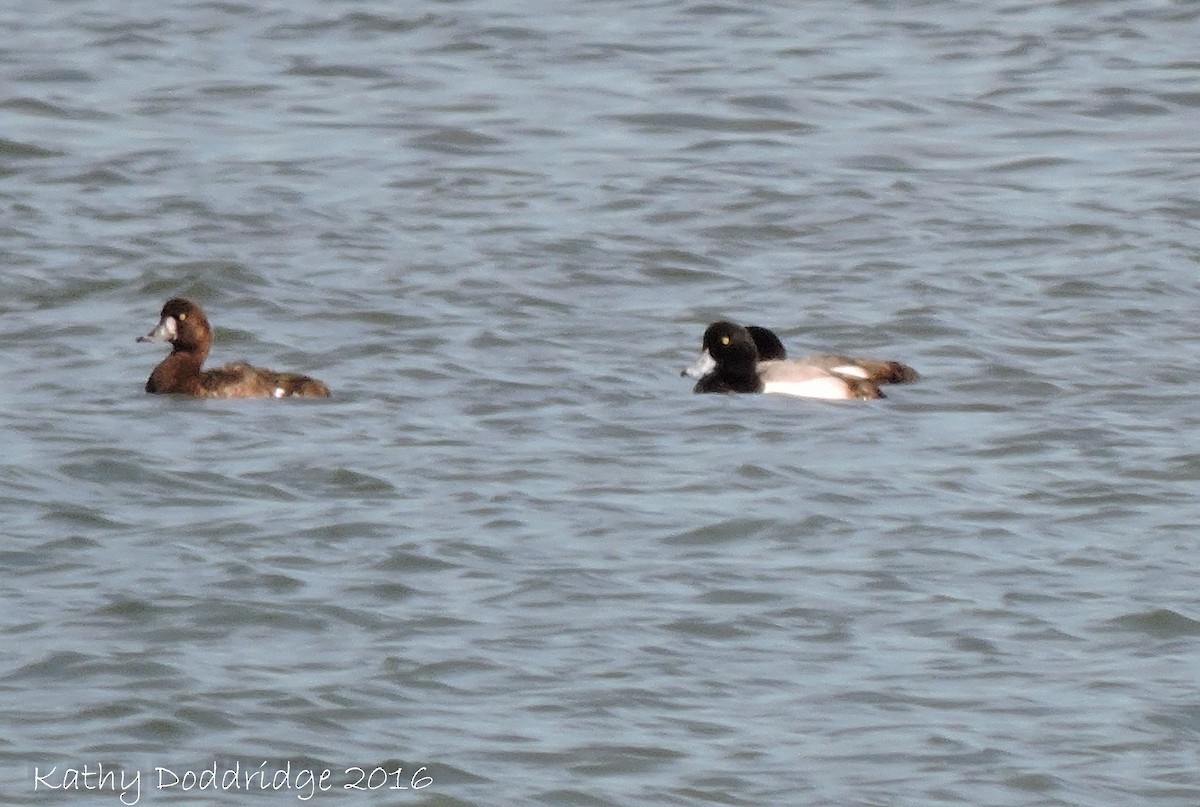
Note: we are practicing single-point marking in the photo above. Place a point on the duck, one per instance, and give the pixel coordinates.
(752, 359)
(182, 323)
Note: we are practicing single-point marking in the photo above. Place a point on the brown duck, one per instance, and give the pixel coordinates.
(183, 324)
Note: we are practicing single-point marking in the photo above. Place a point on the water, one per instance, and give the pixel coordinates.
(514, 556)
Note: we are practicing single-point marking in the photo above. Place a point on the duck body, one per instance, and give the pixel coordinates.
(182, 323)
(752, 359)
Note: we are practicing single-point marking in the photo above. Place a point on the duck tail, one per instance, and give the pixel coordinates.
(889, 372)
(302, 386)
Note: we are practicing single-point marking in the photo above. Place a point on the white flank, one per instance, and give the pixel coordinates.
(827, 387)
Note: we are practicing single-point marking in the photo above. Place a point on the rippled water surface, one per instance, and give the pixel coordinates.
(513, 555)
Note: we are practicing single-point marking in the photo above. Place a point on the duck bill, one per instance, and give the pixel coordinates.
(165, 331)
(703, 366)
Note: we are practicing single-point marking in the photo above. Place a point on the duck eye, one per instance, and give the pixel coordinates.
(724, 340)
(181, 317)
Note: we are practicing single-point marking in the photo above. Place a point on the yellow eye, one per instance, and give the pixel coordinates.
(181, 317)
(724, 340)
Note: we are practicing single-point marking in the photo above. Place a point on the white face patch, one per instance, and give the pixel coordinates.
(279, 392)
(165, 331)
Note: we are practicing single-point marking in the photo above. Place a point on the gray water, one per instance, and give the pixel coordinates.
(513, 555)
